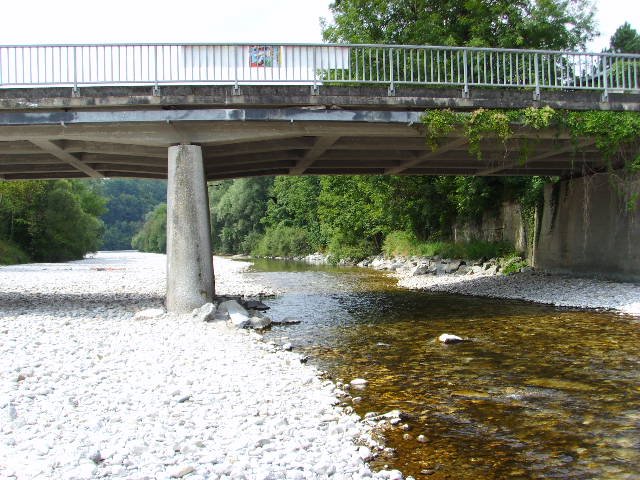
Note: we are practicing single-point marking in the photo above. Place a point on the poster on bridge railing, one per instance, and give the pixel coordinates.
(267, 56)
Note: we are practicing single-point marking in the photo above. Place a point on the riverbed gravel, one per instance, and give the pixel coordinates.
(89, 391)
(562, 291)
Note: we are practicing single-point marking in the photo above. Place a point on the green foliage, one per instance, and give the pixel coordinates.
(625, 39)
(51, 220)
(612, 130)
(283, 241)
(482, 123)
(536, 118)
(11, 254)
(152, 237)
(237, 209)
(548, 24)
(355, 211)
(128, 202)
(294, 203)
(512, 264)
(405, 243)
(349, 249)
(438, 124)
(400, 243)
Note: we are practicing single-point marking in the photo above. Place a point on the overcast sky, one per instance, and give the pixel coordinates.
(207, 21)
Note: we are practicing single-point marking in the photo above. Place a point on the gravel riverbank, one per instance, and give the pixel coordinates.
(485, 279)
(89, 391)
(535, 287)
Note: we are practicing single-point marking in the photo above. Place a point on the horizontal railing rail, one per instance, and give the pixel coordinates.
(315, 64)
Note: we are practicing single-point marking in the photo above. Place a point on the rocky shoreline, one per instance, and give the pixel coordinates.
(485, 278)
(98, 381)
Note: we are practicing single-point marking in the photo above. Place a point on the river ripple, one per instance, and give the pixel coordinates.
(541, 392)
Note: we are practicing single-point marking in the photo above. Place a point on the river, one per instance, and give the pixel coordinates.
(540, 392)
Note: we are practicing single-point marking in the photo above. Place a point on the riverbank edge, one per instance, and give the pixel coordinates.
(485, 278)
(365, 438)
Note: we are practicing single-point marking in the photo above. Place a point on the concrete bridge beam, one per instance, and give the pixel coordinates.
(190, 281)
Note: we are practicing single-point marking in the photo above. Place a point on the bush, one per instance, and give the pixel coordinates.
(11, 254)
(400, 243)
(512, 264)
(339, 250)
(282, 241)
(406, 244)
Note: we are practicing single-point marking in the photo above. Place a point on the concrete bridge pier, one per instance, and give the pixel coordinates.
(190, 281)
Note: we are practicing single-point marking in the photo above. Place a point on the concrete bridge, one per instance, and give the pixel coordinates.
(193, 113)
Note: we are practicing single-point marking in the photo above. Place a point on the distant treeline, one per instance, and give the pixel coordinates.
(62, 220)
(345, 216)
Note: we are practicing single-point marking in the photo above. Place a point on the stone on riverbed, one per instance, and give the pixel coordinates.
(287, 321)
(449, 338)
(238, 316)
(149, 313)
(423, 269)
(151, 427)
(252, 304)
(358, 383)
(260, 323)
(206, 313)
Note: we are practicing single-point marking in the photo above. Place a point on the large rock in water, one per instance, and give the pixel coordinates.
(260, 323)
(238, 316)
(449, 338)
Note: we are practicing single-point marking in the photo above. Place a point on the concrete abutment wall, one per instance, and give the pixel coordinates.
(585, 228)
(588, 228)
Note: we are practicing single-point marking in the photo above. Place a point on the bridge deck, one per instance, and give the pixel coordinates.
(276, 130)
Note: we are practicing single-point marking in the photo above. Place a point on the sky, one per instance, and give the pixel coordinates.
(204, 21)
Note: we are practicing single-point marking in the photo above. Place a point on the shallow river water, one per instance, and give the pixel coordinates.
(540, 392)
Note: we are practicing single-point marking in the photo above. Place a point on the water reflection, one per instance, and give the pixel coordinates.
(540, 393)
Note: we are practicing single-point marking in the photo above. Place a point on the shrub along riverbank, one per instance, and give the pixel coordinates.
(48, 221)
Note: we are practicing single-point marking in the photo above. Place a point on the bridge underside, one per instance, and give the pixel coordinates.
(240, 148)
(274, 131)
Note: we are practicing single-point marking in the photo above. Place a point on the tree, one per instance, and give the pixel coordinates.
(355, 213)
(51, 220)
(294, 203)
(549, 24)
(625, 40)
(152, 237)
(237, 208)
(128, 202)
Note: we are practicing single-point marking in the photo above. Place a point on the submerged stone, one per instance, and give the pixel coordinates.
(559, 384)
(449, 338)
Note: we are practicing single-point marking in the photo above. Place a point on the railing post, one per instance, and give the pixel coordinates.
(75, 92)
(605, 81)
(236, 86)
(314, 88)
(156, 87)
(465, 90)
(392, 86)
(536, 94)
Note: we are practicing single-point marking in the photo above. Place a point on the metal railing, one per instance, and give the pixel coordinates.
(392, 65)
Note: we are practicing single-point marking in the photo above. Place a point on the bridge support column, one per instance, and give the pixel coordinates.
(190, 281)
